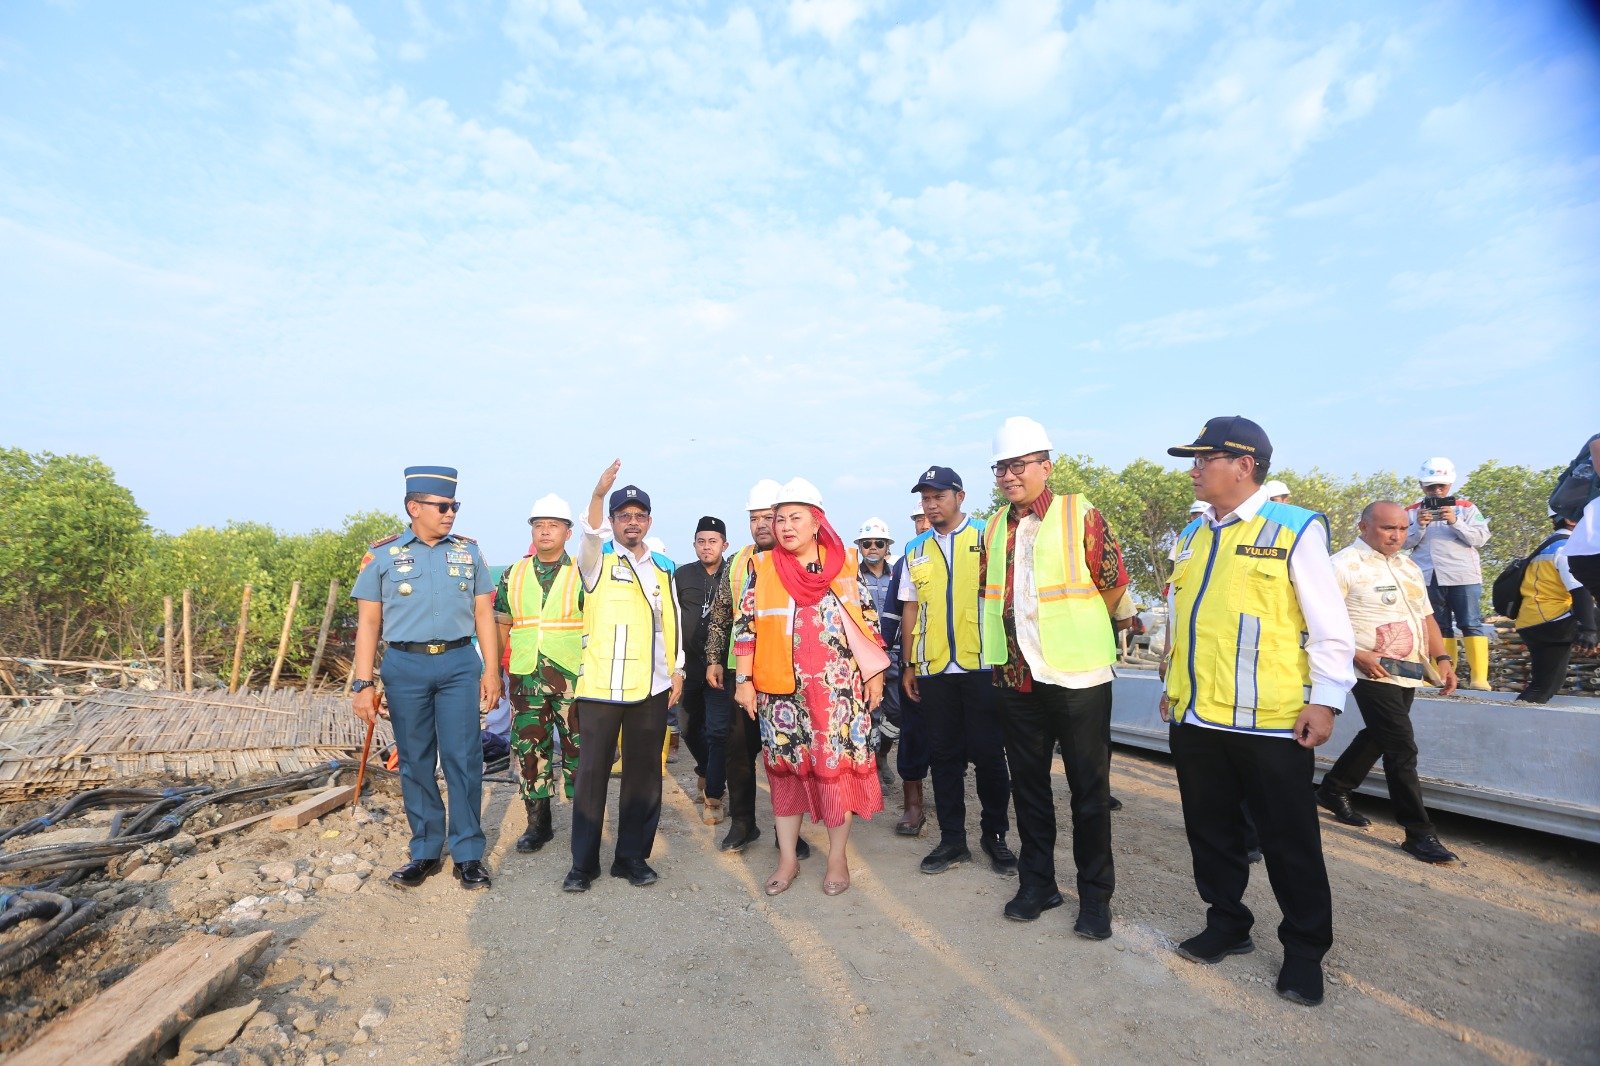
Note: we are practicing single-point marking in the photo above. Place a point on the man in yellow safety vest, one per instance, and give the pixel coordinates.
(539, 606)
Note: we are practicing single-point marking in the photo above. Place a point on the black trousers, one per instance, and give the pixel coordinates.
(1386, 710)
(962, 715)
(1080, 720)
(692, 712)
(1216, 771)
(1549, 651)
(743, 745)
(643, 727)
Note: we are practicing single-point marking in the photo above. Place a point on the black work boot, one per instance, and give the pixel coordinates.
(945, 856)
(1001, 859)
(539, 832)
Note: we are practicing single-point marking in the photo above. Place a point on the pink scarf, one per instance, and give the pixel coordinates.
(805, 587)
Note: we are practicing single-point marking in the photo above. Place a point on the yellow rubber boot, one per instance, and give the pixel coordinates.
(1477, 649)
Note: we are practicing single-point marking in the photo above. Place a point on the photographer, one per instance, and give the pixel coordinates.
(1444, 536)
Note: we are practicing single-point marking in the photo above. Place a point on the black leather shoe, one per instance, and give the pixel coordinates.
(1001, 860)
(1426, 847)
(539, 832)
(1115, 804)
(578, 880)
(802, 850)
(472, 874)
(945, 856)
(415, 872)
(739, 837)
(1212, 946)
(1337, 801)
(1094, 919)
(1300, 981)
(1029, 903)
(637, 871)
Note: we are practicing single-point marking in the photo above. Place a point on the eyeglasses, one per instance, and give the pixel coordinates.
(445, 506)
(1201, 461)
(630, 517)
(873, 543)
(1015, 466)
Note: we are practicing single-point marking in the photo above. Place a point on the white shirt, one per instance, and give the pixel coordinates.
(1025, 611)
(1330, 640)
(908, 587)
(1585, 539)
(590, 554)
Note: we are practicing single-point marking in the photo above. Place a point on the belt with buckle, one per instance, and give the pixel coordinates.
(429, 647)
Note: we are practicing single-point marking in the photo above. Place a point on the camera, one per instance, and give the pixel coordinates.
(1438, 503)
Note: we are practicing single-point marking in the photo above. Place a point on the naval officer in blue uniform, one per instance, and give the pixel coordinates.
(426, 591)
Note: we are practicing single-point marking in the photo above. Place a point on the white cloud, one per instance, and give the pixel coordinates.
(1207, 324)
(831, 18)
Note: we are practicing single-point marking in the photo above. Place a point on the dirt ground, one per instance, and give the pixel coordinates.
(1495, 959)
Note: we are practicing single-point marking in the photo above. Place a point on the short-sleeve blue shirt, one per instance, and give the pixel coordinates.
(427, 592)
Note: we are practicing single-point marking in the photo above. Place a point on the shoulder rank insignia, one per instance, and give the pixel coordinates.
(463, 538)
(385, 540)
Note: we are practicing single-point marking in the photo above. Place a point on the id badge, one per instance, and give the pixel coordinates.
(621, 572)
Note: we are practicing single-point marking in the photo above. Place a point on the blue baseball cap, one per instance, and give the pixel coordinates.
(434, 480)
(629, 494)
(1228, 433)
(938, 478)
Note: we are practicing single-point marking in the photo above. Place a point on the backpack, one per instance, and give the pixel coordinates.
(1506, 593)
(1576, 487)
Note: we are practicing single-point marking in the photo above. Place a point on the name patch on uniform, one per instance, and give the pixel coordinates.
(458, 557)
(620, 572)
(1184, 554)
(404, 560)
(1256, 551)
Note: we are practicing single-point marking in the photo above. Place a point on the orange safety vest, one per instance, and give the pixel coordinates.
(774, 622)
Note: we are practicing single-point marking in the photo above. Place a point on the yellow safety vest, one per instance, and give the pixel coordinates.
(1075, 631)
(550, 626)
(1545, 596)
(947, 605)
(740, 567)
(1238, 635)
(619, 629)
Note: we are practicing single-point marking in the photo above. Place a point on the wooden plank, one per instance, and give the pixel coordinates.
(231, 826)
(313, 807)
(322, 634)
(188, 642)
(129, 1021)
(283, 640)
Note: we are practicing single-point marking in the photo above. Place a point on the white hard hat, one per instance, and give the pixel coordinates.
(1020, 436)
(551, 506)
(763, 495)
(1197, 507)
(656, 544)
(918, 513)
(1275, 488)
(1437, 471)
(799, 490)
(876, 528)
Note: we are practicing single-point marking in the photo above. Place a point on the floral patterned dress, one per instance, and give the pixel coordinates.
(816, 740)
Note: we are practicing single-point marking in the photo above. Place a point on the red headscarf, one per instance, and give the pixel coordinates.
(805, 587)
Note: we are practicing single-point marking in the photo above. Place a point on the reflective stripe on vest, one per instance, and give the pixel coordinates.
(947, 609)
(620, 633)
(739, 570)
(773, 623)
(558, 637)
(1238, 635)
(1075, 631)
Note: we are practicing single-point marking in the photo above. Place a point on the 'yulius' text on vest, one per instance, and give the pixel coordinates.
(551, 625)
(1238, 635)
(1075, 631)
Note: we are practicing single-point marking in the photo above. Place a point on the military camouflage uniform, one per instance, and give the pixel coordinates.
(541, 704)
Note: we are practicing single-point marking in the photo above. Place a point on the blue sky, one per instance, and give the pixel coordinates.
(261, 256)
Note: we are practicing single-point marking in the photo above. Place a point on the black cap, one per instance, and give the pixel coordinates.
(629, 494)
(938, 478)
(708, 524)
(1229, 433)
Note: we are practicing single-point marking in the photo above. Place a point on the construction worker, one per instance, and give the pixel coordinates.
(427, 592)
(742, 736)
(872, 546)
(1053, 577)
(911, 760)
(1444, 536)
(632, 671)
(1257, 617)
(1276, 491)
(943, 667)
(539, 606)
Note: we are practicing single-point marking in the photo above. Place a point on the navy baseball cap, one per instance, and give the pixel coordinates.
(629, 494)
(1228, 433)
(938, 478)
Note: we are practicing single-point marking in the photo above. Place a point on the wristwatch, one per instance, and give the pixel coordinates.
(359, 684)
(739, 679)
(1444, 659)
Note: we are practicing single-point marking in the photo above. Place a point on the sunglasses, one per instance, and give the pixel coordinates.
(445, 506)
(873, 543)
